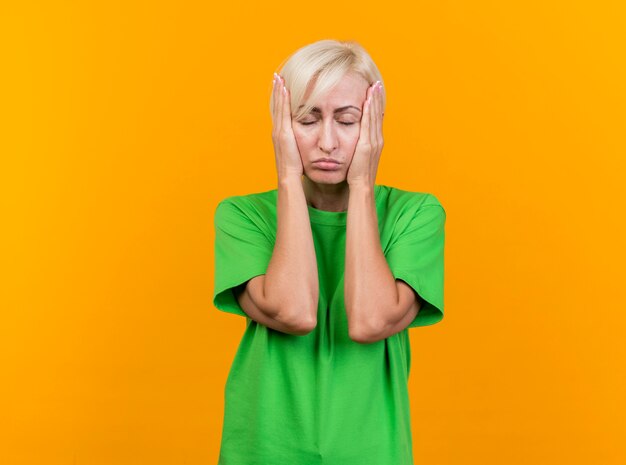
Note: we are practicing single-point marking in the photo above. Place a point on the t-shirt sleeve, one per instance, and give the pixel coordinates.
(416, 256)
(242, 251)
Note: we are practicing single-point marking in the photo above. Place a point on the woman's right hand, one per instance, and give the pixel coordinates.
(288, 160)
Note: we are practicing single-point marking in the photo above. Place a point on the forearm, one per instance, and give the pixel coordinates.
(370, 291)
(291, 281)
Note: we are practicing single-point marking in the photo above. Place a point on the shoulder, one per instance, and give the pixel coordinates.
(404, 201)
(403, 211)
(249, 203)
(251, 212)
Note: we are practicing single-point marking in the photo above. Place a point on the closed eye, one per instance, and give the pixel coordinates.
(312, 122)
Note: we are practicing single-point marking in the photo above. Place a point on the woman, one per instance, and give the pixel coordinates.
(330, 270)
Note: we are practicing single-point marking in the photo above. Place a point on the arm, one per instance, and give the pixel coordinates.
(286, 297)
(377, 305)
(249, 295)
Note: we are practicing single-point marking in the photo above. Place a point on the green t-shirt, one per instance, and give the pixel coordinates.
(323, 398)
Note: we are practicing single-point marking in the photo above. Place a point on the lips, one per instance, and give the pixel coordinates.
(327, 165)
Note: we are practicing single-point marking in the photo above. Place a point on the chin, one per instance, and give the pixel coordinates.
(326, 177)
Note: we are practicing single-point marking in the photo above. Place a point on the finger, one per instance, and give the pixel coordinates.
(277, 103)
(279, 95)
(375, 114)
(382, 102)
(365, 118)
(274, 100)
(274, 103)
(372, 126)
(286, 107)
(382, 113)
(379, 98)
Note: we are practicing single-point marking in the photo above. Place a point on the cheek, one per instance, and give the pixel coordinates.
(350, 138)
(304, 138)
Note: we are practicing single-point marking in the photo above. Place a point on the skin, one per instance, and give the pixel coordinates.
(377, 304)
(337, 135)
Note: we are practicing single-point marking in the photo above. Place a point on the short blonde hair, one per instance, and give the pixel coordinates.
(322, 65)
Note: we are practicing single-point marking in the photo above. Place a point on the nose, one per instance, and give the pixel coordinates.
(327, 137)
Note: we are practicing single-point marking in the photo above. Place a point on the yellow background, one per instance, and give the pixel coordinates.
(124, 123)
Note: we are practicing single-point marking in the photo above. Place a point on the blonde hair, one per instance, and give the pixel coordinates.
(322, 65)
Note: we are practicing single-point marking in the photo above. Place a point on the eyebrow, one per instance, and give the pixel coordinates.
(337, 110)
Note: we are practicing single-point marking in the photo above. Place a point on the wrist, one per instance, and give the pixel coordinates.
(361, 186)
(290, 180)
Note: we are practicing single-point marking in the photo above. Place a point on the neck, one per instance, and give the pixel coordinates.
(329, 197)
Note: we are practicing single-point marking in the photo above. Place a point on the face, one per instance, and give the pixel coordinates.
(331, 130)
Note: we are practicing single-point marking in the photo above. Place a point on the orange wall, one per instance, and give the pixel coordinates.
(123, 126)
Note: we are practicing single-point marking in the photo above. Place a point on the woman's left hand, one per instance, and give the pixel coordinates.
(364, 165)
